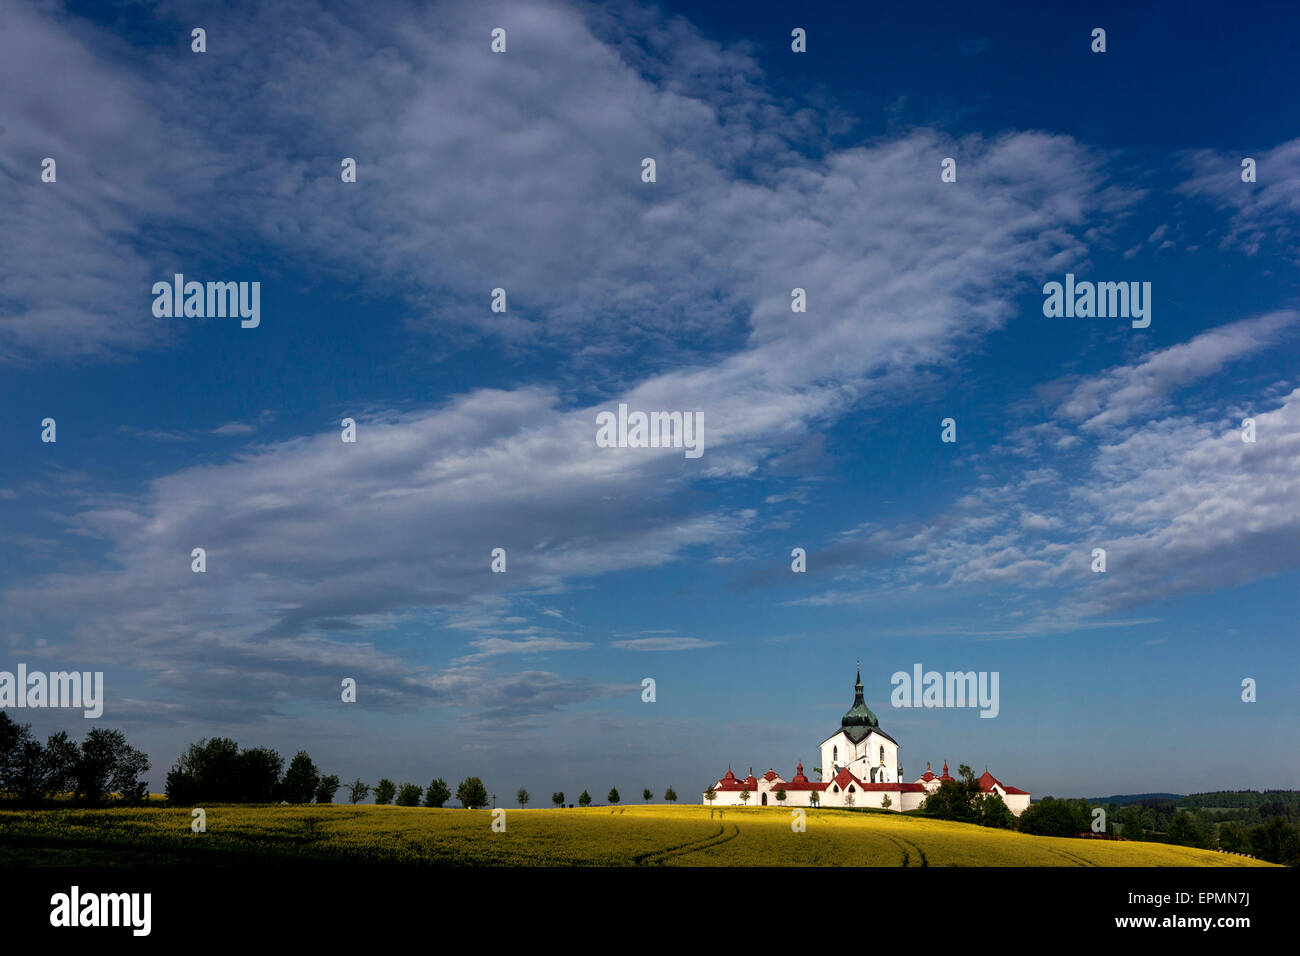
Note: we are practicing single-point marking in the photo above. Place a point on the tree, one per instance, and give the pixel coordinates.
(814, 798)
(612, 797)
(326, 789)
(744, 797)
(994, 812)
(30, 771)
(105, 764)
(385, 790)
(1276, 841)
(584, 799)
(670, 795)
(12, 737)
(1184, 831)
(408, 795)
(34, 771)
(886, 802)
(523, 797)
(300, 780)
(258, 772)
(780, 794)
(950, 801)
(437, 794)
(646, 795)
(358, 791)
(1133, 824)
(472, 794)
(710, 795)
(1050, 817)
(208, 771)
(1232, 838)
(557, 798)
(62, 760)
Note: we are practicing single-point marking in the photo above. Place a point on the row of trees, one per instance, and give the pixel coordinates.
(814, 798)
(102, 764)
(218, 771)
(471, 793)
(584, 798)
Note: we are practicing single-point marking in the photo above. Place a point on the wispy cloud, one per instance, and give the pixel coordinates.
(663, 644)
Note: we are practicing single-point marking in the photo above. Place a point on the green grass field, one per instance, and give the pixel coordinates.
(598, 836)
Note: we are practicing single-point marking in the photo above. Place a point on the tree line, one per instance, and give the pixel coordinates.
(214, 770)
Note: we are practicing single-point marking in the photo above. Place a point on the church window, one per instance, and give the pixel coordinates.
(835, 753)
(882, 754)
(850, 788)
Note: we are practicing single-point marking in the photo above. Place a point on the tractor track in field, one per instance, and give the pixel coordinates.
(1076, 860)
(903, 844)
(658, 857)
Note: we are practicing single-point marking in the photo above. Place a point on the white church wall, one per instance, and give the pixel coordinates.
(1017, 803)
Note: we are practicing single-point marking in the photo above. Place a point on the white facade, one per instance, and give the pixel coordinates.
(874, 759)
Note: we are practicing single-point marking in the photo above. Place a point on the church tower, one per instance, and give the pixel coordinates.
(860, 746)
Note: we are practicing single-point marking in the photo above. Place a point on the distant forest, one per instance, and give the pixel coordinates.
(1263, 824)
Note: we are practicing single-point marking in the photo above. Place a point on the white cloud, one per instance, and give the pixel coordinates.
(1126, 392)
(1265, 215)
(663, 644)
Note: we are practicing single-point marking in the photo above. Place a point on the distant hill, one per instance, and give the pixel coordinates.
(1245, 799)
(1123, 798)
(1214, 798)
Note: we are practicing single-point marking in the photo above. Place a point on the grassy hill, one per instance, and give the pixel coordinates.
(598, 836)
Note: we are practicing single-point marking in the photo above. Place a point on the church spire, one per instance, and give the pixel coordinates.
(859, 718)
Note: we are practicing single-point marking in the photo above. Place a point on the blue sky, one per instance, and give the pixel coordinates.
(476, 429)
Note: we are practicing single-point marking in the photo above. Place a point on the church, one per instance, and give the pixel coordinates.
(859, 769)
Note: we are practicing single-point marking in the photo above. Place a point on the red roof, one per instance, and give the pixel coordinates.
(988, 781)
(800, 782)
(845, 777)
(729, 783)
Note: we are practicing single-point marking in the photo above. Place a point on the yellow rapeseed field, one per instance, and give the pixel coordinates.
(596, 836)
